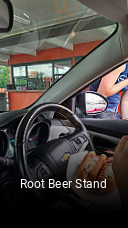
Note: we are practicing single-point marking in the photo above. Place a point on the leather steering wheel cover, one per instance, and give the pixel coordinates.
(21, 133)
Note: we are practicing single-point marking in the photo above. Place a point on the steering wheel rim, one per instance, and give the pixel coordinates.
(21, 133)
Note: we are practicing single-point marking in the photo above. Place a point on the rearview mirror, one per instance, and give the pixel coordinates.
(95, 103)
(6, 16)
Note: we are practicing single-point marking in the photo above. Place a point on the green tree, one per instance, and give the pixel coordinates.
(4, 76)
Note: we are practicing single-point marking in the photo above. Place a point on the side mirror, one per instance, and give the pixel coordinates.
(6, 16)
(95, 103)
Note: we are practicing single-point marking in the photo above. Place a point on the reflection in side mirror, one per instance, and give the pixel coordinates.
(95, 103)
(6, 16)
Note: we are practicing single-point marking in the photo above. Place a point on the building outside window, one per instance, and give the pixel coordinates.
(39, 76)
(61, 67)
(20, 77)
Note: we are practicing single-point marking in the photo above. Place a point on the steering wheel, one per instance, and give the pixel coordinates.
(49, 160)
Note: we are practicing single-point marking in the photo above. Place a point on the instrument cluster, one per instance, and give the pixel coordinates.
(37, 135)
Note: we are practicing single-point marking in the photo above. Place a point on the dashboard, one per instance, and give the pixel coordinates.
(39, 133)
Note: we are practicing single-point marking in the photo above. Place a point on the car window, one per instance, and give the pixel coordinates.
(48, 38)
(114, 87)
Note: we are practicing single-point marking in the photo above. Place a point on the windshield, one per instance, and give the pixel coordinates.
(47, 39)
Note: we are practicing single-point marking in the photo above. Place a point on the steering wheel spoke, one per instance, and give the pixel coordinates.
(38, 170)
(79, 141)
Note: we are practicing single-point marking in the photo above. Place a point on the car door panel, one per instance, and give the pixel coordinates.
(105, 134)
(115, 128)
(103, 142)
